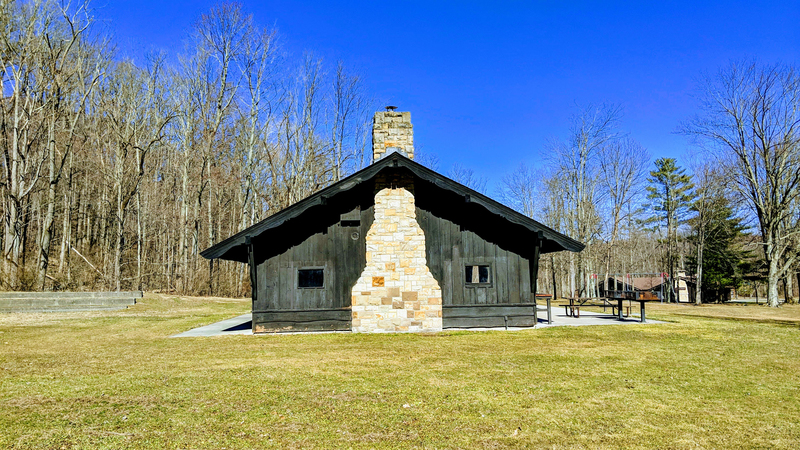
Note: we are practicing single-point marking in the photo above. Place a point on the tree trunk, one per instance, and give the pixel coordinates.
(183, 227)
(786, 295)
(572, 292)
(47, 220)
(772, 282)
(797, 274)
(119, 243)
(139, 239)
(12, 223)
(11, 244)
(698, 297)
(65, 232)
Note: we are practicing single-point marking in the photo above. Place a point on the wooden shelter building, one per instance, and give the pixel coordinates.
(394, 247)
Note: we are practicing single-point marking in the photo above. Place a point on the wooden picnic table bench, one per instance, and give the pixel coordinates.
(573, 309)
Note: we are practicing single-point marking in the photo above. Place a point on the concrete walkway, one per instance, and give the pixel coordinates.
(243, 324)
(589, 318)
(237, 325)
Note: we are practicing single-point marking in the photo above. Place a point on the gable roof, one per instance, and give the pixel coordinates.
(233, 248)
(638, 283)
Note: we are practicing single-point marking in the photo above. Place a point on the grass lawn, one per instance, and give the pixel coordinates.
(716, 377)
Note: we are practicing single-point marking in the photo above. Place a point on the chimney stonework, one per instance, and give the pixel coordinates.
(392, 131)
(396, 292)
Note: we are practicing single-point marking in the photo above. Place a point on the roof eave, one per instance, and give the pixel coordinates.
(395, 160)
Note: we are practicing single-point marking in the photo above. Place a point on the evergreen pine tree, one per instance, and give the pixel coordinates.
(723, 259)
(670, 196)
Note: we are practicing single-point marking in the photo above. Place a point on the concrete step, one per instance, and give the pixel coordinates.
(75, 301)
(124, 294)
(66, 301)
(75, 308)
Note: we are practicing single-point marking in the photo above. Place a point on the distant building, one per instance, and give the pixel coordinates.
(394, 247)
(711, 294)
(685, 293)
(644, 287)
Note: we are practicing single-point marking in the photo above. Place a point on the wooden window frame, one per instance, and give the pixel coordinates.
(297, 277)
(490, 284)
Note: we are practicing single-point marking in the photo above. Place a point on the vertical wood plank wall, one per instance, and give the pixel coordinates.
(332, 248)
(450, 248)
(281, 306)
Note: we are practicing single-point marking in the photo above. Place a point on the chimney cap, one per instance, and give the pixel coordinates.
(391, 108)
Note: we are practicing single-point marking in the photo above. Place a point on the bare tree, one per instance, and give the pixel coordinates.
(467, 177)
(258, 115)
(592, 128)
(73, 66)
(750, 118)
(207, 87)
(142, 166)
(138, 117)
(23, 160)
(49, 68)
(623, 165)
(350, 132)
(301, 163)
(521, 190)
(424, 157)
(710, 186)
(554, 213)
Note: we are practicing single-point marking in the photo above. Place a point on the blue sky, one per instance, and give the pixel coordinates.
(488, 83)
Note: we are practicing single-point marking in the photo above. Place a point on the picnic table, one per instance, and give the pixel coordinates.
(574, 307)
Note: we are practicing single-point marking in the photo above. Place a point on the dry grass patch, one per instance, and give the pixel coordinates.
(115, 380)
(786, 314)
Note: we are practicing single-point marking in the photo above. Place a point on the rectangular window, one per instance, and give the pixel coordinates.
(478, 275)
(310, 278)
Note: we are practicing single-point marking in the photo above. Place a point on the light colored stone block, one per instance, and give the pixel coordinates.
(394, 240)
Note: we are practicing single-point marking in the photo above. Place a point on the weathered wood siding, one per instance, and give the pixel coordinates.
(506, 301)
(453, 238)
(475, 316)
(450, 248)
(306, 320)
(280, 305)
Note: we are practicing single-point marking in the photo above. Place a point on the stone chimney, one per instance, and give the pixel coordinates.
(396, 291)
(392, 132)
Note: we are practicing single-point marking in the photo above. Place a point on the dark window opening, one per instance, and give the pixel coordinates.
(350, 223)
(310, 278)
(478, 274)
